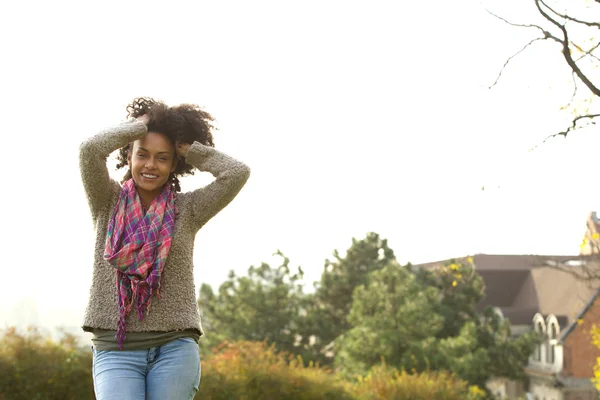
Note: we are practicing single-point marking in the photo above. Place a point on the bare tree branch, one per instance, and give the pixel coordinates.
(546, 33)
(584, 268)
(569, 129)
(574, 91)
(567, 53)
(587, 53)
(569, 18)
(559, 21)
(510, 58)
(574, 124)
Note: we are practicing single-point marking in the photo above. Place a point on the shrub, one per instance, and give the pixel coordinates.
(383, 382)
(253, 370)
(37, 368)
(33, 367)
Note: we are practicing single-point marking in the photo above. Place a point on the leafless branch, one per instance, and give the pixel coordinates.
(574, 91)
(569, 129)
(585, 53)
(574, 125)
(546, 33)
(510, 58)
(569, 18)
(588, 271)
(588, 53)
(567, 52)
(559, 21)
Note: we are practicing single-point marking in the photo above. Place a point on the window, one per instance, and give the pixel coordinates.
(539, 328)
(552, 335)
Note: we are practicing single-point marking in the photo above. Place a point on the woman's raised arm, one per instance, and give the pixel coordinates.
(92, 159)
(230, 174)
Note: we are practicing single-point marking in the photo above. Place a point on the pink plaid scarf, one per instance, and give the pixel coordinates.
(137, 245)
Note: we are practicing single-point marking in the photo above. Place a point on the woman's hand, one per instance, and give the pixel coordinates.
(144, 118)
(181, 149)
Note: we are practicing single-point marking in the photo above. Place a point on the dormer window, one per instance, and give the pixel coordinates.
(539, 328)
(553, 330)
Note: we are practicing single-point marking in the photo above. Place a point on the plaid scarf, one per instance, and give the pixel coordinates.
(137, 246)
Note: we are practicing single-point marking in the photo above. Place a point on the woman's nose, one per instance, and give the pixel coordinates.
(150, 164)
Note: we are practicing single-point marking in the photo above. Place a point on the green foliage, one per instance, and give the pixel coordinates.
(251, 370)
(34, 367)
(329, 307)
(247, 370)
(427, 321)
(461, 289)
(388, 317)
(383, 382)
(265, 305)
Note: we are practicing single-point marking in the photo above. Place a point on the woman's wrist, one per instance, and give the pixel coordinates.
(182, 149)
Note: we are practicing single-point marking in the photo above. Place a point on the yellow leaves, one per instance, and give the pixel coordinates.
(454, 283)
(596, 337)
(596, 341)
(580, 321)
(596, 236)
(476, 391)
(454, 267)
(470, 261)
(584, 242)
(596, 379)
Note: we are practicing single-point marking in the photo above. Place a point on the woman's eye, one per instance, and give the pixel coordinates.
(141, 155)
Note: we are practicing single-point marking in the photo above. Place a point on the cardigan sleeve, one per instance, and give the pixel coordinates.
(230, 176)
(92, 160)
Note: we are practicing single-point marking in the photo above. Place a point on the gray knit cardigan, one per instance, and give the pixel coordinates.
(177, 308)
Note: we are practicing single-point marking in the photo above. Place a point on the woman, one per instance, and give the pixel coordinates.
(142, 309)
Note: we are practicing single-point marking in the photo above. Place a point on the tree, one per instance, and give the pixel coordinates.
(388, 317)
(577, 35)
(427, 320)
(460, 289)
(265, 305)
(328, 308)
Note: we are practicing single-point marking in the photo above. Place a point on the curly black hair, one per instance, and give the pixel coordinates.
(184, 123)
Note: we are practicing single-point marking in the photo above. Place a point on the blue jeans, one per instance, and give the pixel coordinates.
(170, 371)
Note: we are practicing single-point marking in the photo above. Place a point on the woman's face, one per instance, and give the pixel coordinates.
(151, 160)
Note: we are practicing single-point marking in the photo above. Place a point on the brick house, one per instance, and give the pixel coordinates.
(541, 293)
(562, 367)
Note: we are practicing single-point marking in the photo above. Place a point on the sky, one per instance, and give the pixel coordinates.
(354, 116)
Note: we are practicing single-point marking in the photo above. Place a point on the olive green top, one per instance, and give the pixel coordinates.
(105, 340)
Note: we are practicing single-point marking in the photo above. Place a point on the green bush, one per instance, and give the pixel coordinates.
(33, 367)
(251, 370)
(384, 382)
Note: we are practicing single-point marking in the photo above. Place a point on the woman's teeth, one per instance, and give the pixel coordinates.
(149, 176)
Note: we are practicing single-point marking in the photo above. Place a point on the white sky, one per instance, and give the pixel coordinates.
(354, 116)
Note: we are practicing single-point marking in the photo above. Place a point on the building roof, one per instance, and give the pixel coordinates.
(519, 316)
(502, 287)
(506, 261)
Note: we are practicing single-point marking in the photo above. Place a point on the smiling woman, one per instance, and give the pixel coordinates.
(151, 161)
(145, 234)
